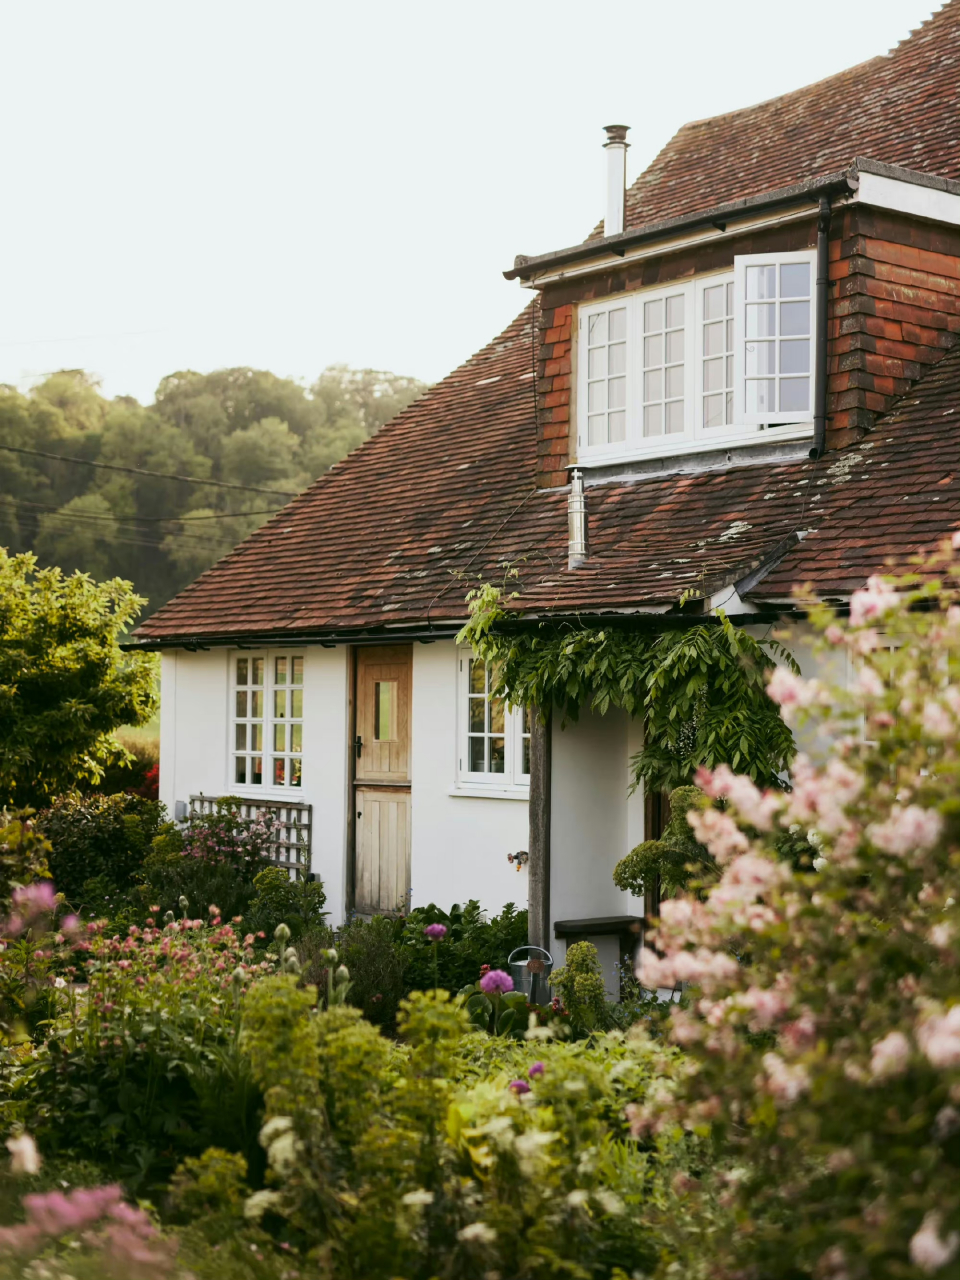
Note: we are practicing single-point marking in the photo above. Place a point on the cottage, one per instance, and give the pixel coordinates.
(746, 378)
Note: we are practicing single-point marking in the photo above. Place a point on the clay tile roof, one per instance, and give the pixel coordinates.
(900, 108)
(830, 523)
(379, 538)
(444, 496)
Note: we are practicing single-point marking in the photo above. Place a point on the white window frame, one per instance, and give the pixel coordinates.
(696, 437)
(513, 779)
(741, 263)
(268, 788)
(635, 444)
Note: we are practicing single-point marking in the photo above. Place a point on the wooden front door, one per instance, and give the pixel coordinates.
(382, 780)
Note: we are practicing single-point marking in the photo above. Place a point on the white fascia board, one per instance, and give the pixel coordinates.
(659, 248)
(912, 198)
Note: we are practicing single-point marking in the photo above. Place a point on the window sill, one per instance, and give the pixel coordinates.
(605, 457)
(477, 791)
(286, 795)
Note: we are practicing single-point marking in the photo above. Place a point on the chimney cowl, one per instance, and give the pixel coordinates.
(616, 148)
(616, 135)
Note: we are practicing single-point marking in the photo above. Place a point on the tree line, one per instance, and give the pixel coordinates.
(242, 426)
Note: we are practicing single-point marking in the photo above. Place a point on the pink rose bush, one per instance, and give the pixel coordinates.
(92, 1229)
(821, 1016)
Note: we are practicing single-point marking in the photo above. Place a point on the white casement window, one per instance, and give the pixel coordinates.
(266, 734)
(776, 327)
(705, 363)
(494, 739)
(717, 345)
(607, 376)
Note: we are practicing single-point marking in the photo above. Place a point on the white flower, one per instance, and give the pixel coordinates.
(273, 1128)
(907, 830)
(609, 1202)
(940, 1038)
(936, 722)
(24, 1156)
(890, 1056)
(477, 1233)
(820, 863)
(927, 1250)
(255, 1206)
(418, 1197)
(576, 1199)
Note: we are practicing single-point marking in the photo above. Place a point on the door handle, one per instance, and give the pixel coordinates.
(359, 746)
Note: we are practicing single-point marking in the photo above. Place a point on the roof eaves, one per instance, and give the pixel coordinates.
(842, 181)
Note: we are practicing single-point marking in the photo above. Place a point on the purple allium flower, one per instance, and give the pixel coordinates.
(496, 980)
(436, 932)
(519, 1086)
(536, 1070)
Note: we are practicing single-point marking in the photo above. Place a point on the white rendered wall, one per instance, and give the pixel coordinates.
(593, 824)
(460, 842)
(194, 748)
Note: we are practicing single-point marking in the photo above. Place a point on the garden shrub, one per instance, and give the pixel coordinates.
(824, 1028)
(675, 857)
(471, 941)
(214, 859)
(579, 984)
(278, 899)
(374, 956)
(98, 837)
(24, 853)
(141, 1067)
(452, 1153)
(139, 774)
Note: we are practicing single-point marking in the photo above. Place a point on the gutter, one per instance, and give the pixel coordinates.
(426, 634)
(837, 184)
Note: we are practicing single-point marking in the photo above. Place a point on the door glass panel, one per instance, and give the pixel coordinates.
(256, 704)
(241, 671)
(279, 703)
(241, 737)
(240, 774)
(279, 737)
(279, 772)
(257, 671)
(476, 755)
(256, 737)
(497, 755)
(384, 710)
(241, 704)
(296, 703)
(280, 671)
(296, 772)
(296, 737)
(256, 771)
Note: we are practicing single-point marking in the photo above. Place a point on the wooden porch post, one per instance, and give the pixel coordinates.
(538, 866)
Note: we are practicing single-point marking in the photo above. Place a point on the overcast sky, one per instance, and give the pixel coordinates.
(294, 183)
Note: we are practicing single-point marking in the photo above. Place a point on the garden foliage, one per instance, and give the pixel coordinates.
(98, 836)
(824, 1026)
(701, 689)
(65, 684)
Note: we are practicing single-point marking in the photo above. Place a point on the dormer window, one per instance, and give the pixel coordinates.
(707, 363)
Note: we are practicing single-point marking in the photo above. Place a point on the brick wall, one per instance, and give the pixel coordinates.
(893, 310)
(554, 384)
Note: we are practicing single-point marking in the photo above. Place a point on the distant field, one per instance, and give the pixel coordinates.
(146, 735)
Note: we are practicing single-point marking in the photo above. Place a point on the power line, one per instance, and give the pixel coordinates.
(81, 517)
(56, 513)
(187, 517)
(142, 471)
